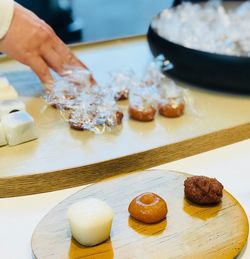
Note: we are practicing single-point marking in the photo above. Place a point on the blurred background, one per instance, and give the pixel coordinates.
(91, 20)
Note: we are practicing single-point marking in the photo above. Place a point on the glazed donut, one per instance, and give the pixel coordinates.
(148, 208)
(170, 110)
(146, 114)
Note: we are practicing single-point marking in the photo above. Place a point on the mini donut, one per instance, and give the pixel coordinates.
(148, 208)
(203, 190)
(147, 114)
(171, 111)
(122, 95)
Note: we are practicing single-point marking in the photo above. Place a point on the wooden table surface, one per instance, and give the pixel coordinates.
(189, 231)
(63, 158)
(19, 216)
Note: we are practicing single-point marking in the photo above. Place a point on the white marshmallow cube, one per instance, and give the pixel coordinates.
(3, 140)
(19, 127)
(90, 221)
(7, 92)
(8, 106)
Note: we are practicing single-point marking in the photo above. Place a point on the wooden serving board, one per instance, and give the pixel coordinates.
(63, 158)
(190, 231)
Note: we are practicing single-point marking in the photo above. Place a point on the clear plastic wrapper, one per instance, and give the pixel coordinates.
(83, 103)
(65, 92)
(121, 83)
(93, 107)
(152, 74)
(79, 77)
(171, 102)
(95, 120)
(96, 110)
(177, 97)
(156, 91)
(143, 102)
(207, 27)
(143, 96)
(62, 96)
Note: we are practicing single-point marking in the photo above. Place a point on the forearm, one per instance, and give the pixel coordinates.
(6, 14)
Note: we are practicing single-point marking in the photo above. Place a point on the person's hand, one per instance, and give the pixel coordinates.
(32, 42)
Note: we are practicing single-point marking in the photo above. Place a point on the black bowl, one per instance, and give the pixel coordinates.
(216, 71)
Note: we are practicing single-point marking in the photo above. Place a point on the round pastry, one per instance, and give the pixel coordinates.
(148, 208)
(171, 110)
(147, 114)
(203, 190)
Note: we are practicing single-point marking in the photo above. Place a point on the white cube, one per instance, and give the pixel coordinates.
(3, 140)
(8, 106)
(90, 221)
(19, 127)
(7, 92)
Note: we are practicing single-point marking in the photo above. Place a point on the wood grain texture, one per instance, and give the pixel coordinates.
(63, 158)
(190, 231)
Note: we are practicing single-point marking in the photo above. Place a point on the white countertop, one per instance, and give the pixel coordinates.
(19, 216)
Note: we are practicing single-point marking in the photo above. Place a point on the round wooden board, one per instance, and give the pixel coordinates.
(190, 231)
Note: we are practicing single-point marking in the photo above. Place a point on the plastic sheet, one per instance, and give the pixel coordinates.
(86, 105)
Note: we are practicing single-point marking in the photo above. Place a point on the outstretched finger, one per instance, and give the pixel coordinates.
(54, 60)
(69, 58)
(39, 66)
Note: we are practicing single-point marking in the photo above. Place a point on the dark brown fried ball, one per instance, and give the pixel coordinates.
(203, 190)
